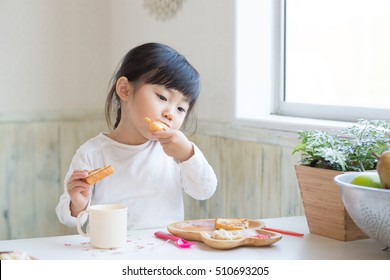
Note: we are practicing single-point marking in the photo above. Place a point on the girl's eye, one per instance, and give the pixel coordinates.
(181, 109)
(162, 97)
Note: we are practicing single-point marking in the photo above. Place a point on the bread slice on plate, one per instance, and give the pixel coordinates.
(231, 224)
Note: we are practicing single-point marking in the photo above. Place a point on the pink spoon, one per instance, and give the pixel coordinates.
(182, 243)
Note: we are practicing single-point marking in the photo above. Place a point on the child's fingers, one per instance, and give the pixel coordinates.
(164, 133)
(76, 184)
(78, 174)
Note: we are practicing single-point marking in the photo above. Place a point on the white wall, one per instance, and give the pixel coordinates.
(54, 55)
(59, 55)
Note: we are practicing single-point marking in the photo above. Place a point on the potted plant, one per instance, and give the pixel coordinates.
(326, 155)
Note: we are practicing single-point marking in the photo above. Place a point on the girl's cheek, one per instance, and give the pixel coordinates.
(177, 125)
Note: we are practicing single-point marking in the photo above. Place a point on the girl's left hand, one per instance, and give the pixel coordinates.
(175, 144)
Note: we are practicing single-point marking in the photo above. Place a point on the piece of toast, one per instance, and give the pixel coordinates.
(156, 125)
(98, 174)
(231, 224)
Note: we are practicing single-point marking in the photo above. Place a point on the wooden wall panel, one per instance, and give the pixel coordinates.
(291, 203)
(30, 155)
(8, 159)
(34, 157)
(271, 187)
(255, 180)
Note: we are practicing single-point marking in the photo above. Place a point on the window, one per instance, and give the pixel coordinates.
(337, 59)
(319, 59)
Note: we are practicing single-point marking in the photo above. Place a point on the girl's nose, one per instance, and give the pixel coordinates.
(168, 115)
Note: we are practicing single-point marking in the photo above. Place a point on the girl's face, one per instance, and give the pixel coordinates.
(156, 102)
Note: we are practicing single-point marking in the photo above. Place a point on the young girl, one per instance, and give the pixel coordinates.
(151, 168)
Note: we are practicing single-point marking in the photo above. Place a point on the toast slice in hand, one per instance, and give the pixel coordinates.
(231, 224)
(156, 125)
(98, 174)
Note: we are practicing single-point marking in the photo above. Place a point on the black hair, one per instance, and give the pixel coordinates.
(154, 63)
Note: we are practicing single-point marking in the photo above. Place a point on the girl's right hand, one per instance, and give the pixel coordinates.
(79, 192)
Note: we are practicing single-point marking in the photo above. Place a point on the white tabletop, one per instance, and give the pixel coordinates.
(143, 245)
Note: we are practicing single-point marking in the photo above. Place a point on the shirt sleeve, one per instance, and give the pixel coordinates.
(198, 177)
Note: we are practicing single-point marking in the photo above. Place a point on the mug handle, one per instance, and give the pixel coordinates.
(79, 229)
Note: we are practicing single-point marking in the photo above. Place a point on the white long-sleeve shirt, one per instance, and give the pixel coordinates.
(148, 181)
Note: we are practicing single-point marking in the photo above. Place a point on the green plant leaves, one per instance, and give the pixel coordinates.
(348, 150)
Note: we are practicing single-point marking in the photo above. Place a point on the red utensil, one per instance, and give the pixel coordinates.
(286, 232)
(179, 242)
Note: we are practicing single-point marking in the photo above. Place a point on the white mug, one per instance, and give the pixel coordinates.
(107, 226)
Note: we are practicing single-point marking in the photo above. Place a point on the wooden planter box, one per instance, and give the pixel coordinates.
(324, 208)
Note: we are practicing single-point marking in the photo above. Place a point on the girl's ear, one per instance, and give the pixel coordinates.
(123, 88)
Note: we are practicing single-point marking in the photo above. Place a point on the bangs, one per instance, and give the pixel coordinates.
(183, 80)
